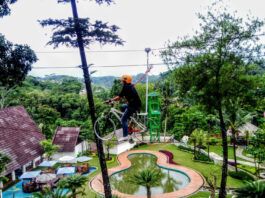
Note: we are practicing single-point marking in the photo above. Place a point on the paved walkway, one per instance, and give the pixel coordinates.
(196, 180)
(239, 151)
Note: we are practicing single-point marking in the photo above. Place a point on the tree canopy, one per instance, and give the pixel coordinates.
(15, 62)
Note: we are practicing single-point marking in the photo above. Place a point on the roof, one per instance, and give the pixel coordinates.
(66, 138)
(20, 137)
(248, 127)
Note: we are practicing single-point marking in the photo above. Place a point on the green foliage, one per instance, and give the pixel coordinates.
(4, 7)
(218, 64)
(240, 175)
(183, 120)
(147, 178)
(247, 168)
(71, 85)
(73, 182)
(201, 157)
(15, 62)
(254, 189)
(58, 193)
(116, 88)
(49, 148)
(65, 32)
(4, 160)
(109, 144)
(141, 90)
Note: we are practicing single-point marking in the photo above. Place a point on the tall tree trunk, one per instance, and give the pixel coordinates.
(165, 130)
(194, 150)
(148, 189)
(102, 160)
(234, 148)
(222, 192)
(208, 149)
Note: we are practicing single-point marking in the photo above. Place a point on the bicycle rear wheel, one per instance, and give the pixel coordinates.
(102, 126)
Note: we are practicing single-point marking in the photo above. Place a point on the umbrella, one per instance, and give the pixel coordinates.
(30, 174)
(48, 163)
(83, 159)
(67, 159)
(44, 178)
(66, 170)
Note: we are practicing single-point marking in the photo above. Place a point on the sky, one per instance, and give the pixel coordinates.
(143, 24)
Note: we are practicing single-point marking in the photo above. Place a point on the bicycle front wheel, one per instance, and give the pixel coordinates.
(105, 128)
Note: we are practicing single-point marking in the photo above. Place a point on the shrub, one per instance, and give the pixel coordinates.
(213, 141)
(185, 148)
(201, 147)
(240, 175)
(247, 168)
(202, 157)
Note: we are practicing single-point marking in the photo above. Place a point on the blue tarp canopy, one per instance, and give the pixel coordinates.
(48, 163)
(30, 175)
(66, 170)
(83, 158)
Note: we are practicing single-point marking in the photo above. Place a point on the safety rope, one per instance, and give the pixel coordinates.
(142, 77)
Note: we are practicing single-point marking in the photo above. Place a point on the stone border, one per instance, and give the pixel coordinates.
(196, 180)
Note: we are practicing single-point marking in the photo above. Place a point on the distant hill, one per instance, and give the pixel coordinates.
(103, 81)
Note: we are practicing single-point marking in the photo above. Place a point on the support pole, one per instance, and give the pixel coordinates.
(147, 50)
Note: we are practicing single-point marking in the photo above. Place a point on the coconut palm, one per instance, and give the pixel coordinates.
(148, 178)
(254, 189)
(193, 138)
(59, 193)
(235, 118)
(73, 182)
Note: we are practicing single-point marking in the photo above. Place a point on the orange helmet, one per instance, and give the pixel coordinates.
(126, 78)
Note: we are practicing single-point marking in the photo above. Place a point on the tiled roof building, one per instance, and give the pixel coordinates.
(66, 138)
(70, 143)
(19, 137)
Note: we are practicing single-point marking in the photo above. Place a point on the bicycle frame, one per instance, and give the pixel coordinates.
(116, 113)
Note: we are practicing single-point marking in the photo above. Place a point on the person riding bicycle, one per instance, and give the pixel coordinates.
(133, 103)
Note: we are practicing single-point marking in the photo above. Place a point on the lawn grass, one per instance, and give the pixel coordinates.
(185, 159)
(182, 158)
(218, 149)
(95, 163)
(205, 195)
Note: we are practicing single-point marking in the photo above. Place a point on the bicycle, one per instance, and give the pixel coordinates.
(136, 128)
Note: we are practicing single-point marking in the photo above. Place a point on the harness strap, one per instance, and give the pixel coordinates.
(142, 77)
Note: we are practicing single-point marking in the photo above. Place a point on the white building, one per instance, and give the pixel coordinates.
(68, 140)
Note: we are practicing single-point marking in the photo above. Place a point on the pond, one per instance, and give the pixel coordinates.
(171, 181)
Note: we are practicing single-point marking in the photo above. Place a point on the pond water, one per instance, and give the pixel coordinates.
(172, 180)
(20, 194)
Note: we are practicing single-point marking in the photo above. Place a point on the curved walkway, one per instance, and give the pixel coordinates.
(196, 180)
(239, 151)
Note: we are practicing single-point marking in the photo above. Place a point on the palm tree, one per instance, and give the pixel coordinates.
(148, 178)
(166, 91)
(254, 189)
(59, 193)
(201, 138)
(235, 118)
(109, 144)
(193, 138)
(73, 182)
